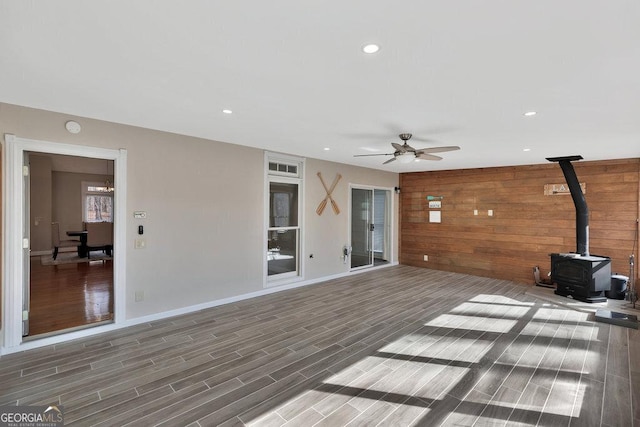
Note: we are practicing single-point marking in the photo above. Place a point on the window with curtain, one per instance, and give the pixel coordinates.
(97, 202)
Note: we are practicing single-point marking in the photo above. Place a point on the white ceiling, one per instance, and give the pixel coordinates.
(454, 72)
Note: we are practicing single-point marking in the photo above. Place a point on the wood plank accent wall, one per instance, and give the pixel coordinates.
(526, 225)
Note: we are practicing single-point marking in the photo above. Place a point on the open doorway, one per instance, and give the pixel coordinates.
(16, 251)
(70, 272)
(370, 227)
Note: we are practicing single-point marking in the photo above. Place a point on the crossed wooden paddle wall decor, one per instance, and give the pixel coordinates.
(323, 203)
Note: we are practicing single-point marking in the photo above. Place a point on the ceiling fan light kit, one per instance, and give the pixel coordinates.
(406, 158)
(407, 154)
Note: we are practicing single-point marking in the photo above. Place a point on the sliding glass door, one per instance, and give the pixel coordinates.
(370, 227)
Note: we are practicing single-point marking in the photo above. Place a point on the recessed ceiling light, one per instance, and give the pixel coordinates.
(527, 149)
(530, 113)
(370, 48)
(327, 148)
(227, 111)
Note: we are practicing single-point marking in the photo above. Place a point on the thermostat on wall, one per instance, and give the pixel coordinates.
(139, 214)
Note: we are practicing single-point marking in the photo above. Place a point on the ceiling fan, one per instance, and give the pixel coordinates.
(406, 153)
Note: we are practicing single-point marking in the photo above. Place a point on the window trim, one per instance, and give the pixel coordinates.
(278, 176)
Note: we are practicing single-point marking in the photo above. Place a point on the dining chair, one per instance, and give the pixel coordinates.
(57, 243)
(99, 237)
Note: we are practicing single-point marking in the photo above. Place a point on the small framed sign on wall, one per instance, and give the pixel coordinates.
(557, 189)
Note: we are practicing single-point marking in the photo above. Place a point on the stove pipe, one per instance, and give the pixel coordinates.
(582, 212)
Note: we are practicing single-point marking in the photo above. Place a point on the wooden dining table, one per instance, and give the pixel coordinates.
(82, 248)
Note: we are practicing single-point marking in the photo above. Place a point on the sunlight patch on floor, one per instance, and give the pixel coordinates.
(489, 325)
(548, 312)
(500, 299)
(401, 343)
(479, 309)
(419, 368)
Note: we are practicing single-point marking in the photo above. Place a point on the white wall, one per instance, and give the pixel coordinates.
(41, 200)
(205, 210)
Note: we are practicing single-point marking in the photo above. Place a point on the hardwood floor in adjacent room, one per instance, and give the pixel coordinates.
(397, 346)
(69, 295)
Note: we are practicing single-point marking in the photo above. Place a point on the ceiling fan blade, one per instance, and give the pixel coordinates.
(425, 156)
(439, 149)
(368, 155)
(399, 147)
(390, 160)
(418, 139)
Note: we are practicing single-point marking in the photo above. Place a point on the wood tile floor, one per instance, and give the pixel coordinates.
(398, 346)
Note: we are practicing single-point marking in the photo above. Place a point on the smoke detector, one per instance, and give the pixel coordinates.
(73, 127)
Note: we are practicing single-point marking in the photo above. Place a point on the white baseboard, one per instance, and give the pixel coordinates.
(40, 253)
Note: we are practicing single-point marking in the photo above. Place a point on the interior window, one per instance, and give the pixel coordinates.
(97, 202)
(282, 254)
(283, 231)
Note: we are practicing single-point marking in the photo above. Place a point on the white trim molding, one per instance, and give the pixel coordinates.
(13, 225)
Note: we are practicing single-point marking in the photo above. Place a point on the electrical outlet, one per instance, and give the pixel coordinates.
(475, 212)
(139, 296)
(140, 244)
(490, 212)
(426, 257)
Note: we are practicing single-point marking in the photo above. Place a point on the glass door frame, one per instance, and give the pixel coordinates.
(362, 247)
(371, 214)
(14, 243)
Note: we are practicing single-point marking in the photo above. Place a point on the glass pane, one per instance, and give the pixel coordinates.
(283, 205)
(96, 189)
(379, 220)
(282, 255)
(98, 208)
(361, 221)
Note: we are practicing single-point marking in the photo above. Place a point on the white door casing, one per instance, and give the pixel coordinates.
(13, 225)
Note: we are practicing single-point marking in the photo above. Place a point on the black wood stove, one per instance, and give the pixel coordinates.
(580, 275)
